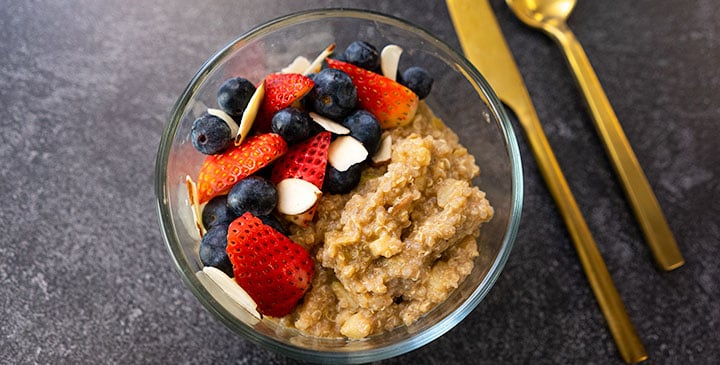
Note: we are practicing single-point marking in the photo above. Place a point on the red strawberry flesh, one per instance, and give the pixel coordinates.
(219, 173)
(281, 91)
(306, 160)
(275, 271)
(391, 103)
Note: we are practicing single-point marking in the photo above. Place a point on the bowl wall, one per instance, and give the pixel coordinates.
(460, 97)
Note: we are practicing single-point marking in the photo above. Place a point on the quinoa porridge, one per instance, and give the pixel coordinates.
(399, 243)
(301, 228)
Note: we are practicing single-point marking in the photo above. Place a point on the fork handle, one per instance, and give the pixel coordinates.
(637, 189)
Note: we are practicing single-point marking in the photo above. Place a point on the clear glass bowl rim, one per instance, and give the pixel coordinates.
(367, 355)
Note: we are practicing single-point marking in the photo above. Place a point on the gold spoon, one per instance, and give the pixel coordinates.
(550, 16)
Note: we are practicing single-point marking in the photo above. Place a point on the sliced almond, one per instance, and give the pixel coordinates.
(303, 219)
(226, 118)
(232, 289)
(194, 204)
(298, 65)
(389, 60)
(329, 124)
(317, 62)
(384, 152)
(346, 151)
(296, 196)
(249, 114)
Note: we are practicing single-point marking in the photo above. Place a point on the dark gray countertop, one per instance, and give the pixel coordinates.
(86, 87)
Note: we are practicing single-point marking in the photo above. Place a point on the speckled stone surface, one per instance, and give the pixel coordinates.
(86, 87)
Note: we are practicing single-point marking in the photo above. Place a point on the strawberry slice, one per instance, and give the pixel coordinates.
(281, 91)
(275, 271)
(219, 173)
(391, 103)
(306, 160)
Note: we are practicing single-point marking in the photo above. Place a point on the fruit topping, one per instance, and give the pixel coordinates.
(365, 128)
(389, 61)
(219, 173)
(391, 103)
(418, 80)
(342, 182)
(281, 91)
(226, 118)
(216, 212)
(252, 194)
(210, 134)
(334, 95)
(292, 124)
(362, 54)
(304, 161)
(312, 135)
(234, 95)
(212, 248)
(271, 268)
(346, 151)
(275, 223)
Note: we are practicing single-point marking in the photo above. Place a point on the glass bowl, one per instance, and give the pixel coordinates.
(460, 97)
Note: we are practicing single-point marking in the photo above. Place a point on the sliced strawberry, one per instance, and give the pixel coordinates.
(306, 160)
(275, 271)
(392, 104)
(219, 173)
(281, 91)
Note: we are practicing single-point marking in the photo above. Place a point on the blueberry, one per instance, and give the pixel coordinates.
(212, 249)
(210, 134)
(365, 128)
(341, 182)
(339, 57)
(315, 128)
(293, 125)
(273, 222)
(363, 54)
(418, 80)
(217, 212)
(252, 194)
(334, 94)
(234, 95)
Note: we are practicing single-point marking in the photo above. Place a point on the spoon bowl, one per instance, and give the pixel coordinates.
(537, 13)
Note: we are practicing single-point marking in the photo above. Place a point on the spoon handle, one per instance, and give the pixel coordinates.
(642, 199)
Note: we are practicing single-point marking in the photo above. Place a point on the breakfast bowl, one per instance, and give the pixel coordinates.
(460, 98)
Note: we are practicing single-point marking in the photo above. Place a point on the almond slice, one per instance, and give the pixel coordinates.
(296, 196)
(384, 152)
(226, 118)
(346, 151)
(317, 62)
(298, 65)
(303, 219)
(194, 204)
(232, 289)
(249, 114)
(329, 124)
(389, 60)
